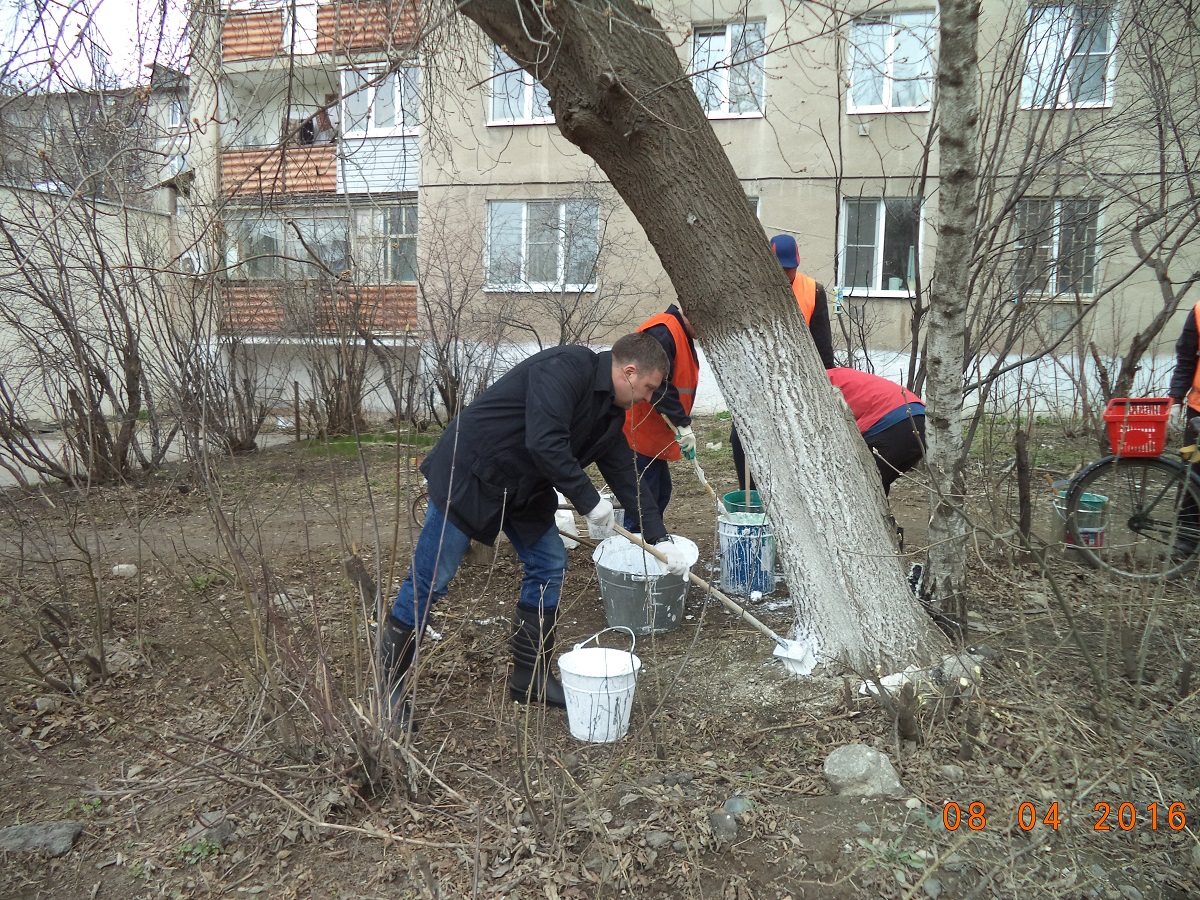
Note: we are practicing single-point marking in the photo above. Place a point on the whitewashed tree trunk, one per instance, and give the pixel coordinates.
(619, 94)
(958, 105)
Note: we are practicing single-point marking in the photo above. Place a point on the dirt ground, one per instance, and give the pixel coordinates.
(230, 695)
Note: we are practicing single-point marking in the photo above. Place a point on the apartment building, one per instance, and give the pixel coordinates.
(348, 127)
(319, 167)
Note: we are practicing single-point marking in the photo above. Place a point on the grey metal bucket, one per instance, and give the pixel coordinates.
(641, 603)
(645, 602)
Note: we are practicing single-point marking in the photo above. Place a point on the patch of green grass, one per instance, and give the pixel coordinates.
(194, 852)
(83, 807)
(347, 445)
(198, 583)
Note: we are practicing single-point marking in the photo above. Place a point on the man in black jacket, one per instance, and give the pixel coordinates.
(496, 468)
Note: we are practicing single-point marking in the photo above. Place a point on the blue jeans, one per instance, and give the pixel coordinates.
(439, 552)
(655, 476)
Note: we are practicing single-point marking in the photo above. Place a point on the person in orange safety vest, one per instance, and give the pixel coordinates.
(810, 297)
(661, 430)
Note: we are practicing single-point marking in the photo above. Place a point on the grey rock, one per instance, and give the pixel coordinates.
(1097, 871)
(52, 838)
(857, 770)
(1129, 892)
(47, 704)
(952, 772)
(933, 888)
(724, 826)
(652, 779)
(212, 826)
(679, 846)
(1196, 856)
(736, 806)
(656, 840)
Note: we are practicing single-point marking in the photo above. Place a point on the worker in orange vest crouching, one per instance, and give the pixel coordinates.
(661, 430)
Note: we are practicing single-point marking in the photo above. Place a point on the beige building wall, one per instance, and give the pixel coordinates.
(808, 152)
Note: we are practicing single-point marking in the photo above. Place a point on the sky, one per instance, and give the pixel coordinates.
(80, 43)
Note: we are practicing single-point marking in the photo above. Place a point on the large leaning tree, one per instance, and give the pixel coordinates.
(618, 92)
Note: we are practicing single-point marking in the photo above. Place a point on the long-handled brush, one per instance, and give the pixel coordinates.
(795, 655)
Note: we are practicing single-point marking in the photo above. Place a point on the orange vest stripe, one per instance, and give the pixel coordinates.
(1193, 397)
(805, 289)
(645, 429)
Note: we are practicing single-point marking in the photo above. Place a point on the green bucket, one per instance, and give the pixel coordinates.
(737, 502)
(1092, 512)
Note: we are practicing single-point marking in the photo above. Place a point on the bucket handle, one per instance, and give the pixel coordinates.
(632, 637)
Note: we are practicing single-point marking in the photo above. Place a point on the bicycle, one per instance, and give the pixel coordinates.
(1136, 513)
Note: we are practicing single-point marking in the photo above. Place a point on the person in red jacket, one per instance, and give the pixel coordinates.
(890, 418)
(660, 429)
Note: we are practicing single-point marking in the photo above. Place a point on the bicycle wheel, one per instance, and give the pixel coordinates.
(1138, 517)
(419, 506)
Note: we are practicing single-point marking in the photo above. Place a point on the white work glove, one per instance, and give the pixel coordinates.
(676, 562)
(687, 441)
(602, 520)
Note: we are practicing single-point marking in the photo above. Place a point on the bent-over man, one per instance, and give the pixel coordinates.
(496, 467)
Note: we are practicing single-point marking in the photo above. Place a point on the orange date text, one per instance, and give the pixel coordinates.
(1105, 816)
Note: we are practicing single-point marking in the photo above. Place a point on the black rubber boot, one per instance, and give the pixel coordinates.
(533, 645)
(397, 646)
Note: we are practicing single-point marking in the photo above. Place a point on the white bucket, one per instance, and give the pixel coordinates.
(599, 684)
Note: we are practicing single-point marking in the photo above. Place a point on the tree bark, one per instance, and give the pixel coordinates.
(958, 103)
(619, 93)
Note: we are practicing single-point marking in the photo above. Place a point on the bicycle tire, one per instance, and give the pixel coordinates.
(419, 506)
(1143, 535)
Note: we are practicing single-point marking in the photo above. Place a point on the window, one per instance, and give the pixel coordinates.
(542, 244)
(385, 244)
(1056, 247)
(378, 105)
(1068, 56)
(879, 245)
(516, 97)
(252, 247)
(727, 67)
(752, 202)
(300, 26)
(891, 63)
(316, 247)
(177, 112)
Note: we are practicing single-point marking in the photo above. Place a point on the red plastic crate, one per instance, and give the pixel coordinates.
(1137, 427)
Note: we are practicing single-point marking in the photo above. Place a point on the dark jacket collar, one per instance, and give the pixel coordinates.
(604, 382)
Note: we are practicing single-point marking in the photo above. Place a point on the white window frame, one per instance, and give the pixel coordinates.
(369, 238)
(237, 269)
(177, 113)
(907, 22)
(718, 72)
(304, 24)
(295, 266)
(354, 91)
(1053, 290)
(877, 288)
(524, 284)
(531, 91)
(1051, 65)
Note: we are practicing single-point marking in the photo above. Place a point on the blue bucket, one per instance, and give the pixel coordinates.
(747, 554)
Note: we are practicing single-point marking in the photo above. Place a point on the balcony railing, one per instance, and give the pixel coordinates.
(317, 310)
(279, 170)
(344, 26)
